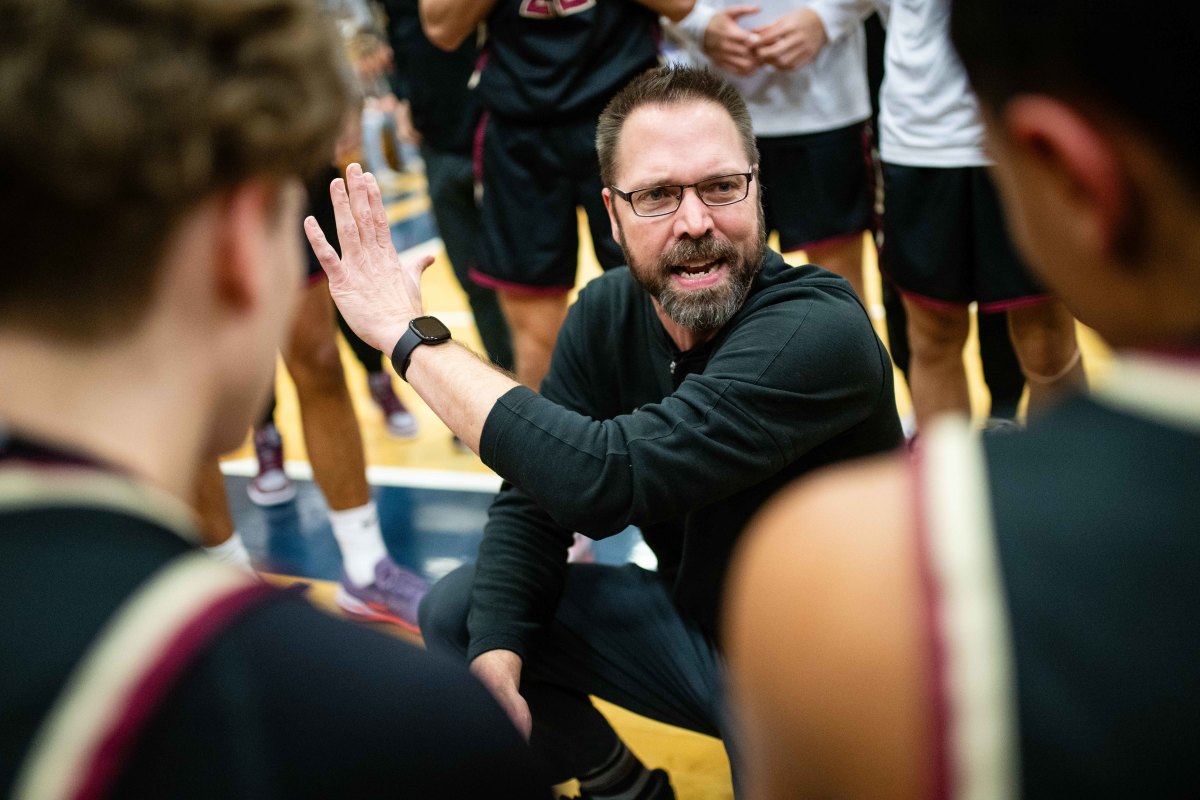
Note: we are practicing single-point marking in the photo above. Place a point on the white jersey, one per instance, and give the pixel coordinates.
(828, 93)
(928, 115)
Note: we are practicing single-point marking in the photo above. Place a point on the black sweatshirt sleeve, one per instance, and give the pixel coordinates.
(794, 371)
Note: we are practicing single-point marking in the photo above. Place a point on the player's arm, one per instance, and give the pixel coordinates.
(824, 637)
(448, 23)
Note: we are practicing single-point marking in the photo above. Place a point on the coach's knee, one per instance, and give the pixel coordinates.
(443, 613)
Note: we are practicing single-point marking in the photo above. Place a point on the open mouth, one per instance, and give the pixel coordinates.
(698, 274)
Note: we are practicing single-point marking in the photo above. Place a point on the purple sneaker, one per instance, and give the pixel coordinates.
(396, 418)
(271, 486)
(392, 597)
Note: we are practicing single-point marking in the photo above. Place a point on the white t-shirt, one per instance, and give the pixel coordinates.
(928, 116)
(828, 93)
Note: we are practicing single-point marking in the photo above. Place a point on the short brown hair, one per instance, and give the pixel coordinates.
(118, 117)
(664, 86)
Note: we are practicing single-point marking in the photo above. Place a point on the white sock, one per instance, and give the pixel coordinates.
(232, 551)
(360, 540)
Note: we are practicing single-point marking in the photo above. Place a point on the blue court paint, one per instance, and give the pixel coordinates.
(430, 531)
(415, 230)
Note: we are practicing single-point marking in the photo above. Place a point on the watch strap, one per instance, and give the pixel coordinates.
(414, 338)
(402, 353)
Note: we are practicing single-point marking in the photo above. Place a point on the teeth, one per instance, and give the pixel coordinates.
(696, 272)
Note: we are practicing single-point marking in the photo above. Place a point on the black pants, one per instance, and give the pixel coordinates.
(616, 635)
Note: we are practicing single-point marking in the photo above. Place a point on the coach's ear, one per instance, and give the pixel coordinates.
(608, 196)
(1071, 164)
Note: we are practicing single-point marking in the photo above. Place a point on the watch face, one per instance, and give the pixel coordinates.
(430, 329)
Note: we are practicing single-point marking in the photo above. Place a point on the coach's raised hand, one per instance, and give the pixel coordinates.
(376, 292)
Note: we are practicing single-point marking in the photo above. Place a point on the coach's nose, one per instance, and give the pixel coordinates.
(692, 218)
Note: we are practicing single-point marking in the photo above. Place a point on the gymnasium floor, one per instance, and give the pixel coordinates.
(433, 498)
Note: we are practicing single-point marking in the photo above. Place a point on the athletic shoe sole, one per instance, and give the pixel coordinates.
(408, 430)
(276, 497)
(356, 609)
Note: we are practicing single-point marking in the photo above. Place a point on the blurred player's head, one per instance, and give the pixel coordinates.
(119, 118)
(139, 136)
(1093, 113)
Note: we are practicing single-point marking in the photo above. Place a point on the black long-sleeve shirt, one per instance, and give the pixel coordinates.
(687, 446)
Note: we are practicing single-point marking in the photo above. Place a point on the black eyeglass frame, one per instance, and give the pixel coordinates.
(683, 187)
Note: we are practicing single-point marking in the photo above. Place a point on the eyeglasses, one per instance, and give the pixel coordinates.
(658, 201)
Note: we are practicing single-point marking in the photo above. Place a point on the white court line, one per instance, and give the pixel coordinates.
(405, 477)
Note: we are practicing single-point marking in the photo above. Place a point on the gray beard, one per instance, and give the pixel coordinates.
(705, 309)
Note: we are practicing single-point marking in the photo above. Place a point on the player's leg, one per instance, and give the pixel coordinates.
(373, 586)
(534, 320)
(1001, 369)
(531, 240)
(843, 255)
(270, 485)
(331, 432)
(937, 377)
(1043, 336)
(927, 256)
(217, 533)
(1042, 330)
(398, 420)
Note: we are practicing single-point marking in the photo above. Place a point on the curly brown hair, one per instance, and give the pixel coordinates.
(119, 116)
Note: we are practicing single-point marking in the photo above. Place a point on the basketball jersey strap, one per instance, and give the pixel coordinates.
(126, 673)
(970, 639)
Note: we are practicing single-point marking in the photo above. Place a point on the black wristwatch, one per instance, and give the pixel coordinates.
(422, 330)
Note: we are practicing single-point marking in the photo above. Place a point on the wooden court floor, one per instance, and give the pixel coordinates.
(697, 764)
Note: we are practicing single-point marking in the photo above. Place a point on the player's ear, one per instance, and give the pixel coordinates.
(1076, 165)
(246, 216)
(609, 199)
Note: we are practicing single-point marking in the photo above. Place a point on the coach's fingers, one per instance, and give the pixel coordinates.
(347, 228)
(379, 220)
(322, 249)
(360, 204)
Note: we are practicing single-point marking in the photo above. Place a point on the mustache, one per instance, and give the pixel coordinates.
(706, 248)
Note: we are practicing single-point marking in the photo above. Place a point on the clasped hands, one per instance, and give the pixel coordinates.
(789, 42)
